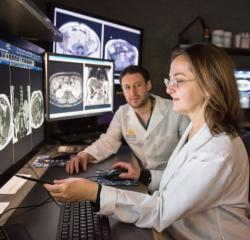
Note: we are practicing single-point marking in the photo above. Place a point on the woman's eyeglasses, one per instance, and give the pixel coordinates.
(175, 82)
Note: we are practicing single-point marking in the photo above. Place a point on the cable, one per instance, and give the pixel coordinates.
(29, 206)
(53, 199)
(33, 206)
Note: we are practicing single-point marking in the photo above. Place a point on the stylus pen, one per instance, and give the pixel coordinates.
(34, 179)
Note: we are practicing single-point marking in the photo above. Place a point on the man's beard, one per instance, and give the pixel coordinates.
(142, 102)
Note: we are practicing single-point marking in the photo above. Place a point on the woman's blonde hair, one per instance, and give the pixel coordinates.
(214, 73)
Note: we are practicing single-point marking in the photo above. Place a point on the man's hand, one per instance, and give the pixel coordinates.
(73, 190)
(133, 171)
(80, 160)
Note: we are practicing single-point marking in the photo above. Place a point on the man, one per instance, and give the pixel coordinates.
(147, 122)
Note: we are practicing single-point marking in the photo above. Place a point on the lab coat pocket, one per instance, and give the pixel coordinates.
(132, 140)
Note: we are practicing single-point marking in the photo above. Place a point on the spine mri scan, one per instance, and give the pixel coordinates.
(18, 119)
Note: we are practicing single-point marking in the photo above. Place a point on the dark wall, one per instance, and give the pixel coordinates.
(162, 20)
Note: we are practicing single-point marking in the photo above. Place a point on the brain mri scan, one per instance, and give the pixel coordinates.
(66, 89)
(20, 116)
(97, 87)
(79, 39)
(37, 109)
(122, 52)
(5, 121)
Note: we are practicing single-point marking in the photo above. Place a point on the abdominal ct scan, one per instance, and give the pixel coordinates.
(79, 39)
(66, 89)
(5, 121)
(122, 52)
(37, 109)
(97, 86)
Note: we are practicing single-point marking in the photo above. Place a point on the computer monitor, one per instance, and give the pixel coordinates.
(21, 106)
(88, 35)
(77, 86)
(243, 82)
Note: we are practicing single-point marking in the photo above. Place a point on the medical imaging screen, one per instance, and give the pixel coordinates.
(78, 86)
(97, 86)
(21, 103)
(91, 36)
(80, 37)
(121, 46)
(243, 82)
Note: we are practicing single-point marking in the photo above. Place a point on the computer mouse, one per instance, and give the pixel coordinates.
(113, 174)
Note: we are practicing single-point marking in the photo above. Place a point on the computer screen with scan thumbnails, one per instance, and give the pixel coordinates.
(21, 106)
(77, 86)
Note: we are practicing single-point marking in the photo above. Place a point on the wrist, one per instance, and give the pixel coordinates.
(93, 187)
(145, 177)
(86, 155)
(98, 199)
(80, 154)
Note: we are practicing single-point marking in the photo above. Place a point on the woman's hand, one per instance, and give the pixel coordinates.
(73, 190)
(133, 171)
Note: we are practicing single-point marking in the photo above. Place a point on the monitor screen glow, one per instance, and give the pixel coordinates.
(77, 86)
(92, 36)
(243, 82)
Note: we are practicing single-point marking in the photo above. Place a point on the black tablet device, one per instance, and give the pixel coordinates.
(34, 179)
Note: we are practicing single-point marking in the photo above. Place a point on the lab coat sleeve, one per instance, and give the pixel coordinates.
(155, 180)
(108, 143)
(198, 186)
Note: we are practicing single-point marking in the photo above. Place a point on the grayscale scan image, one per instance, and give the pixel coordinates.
(97, 86)
(244, 88)
(5, 121)
(122, 52)
(243, 84)
(79, 39)
(66, 89)
(20, 108)
(37, 109)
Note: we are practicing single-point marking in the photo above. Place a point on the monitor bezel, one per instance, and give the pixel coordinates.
(46, 87)
(51, 12)
(16, 166)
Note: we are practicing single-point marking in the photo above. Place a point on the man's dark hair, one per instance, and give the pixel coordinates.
(135, 69)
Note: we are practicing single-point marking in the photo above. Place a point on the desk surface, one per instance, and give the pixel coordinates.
(42, 221)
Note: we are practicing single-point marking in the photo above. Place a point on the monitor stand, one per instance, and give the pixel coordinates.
(80, 138)
(73, 131)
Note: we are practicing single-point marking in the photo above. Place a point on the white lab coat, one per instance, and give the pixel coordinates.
(203, 193)
(153, 146)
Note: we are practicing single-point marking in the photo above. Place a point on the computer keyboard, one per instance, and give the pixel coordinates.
(79, 221)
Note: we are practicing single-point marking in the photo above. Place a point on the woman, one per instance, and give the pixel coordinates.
(203, 192)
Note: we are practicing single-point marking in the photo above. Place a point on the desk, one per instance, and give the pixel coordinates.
(42, 221)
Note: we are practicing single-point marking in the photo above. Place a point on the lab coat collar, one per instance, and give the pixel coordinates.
(201, 137)
(134, 122)
(156, 117)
